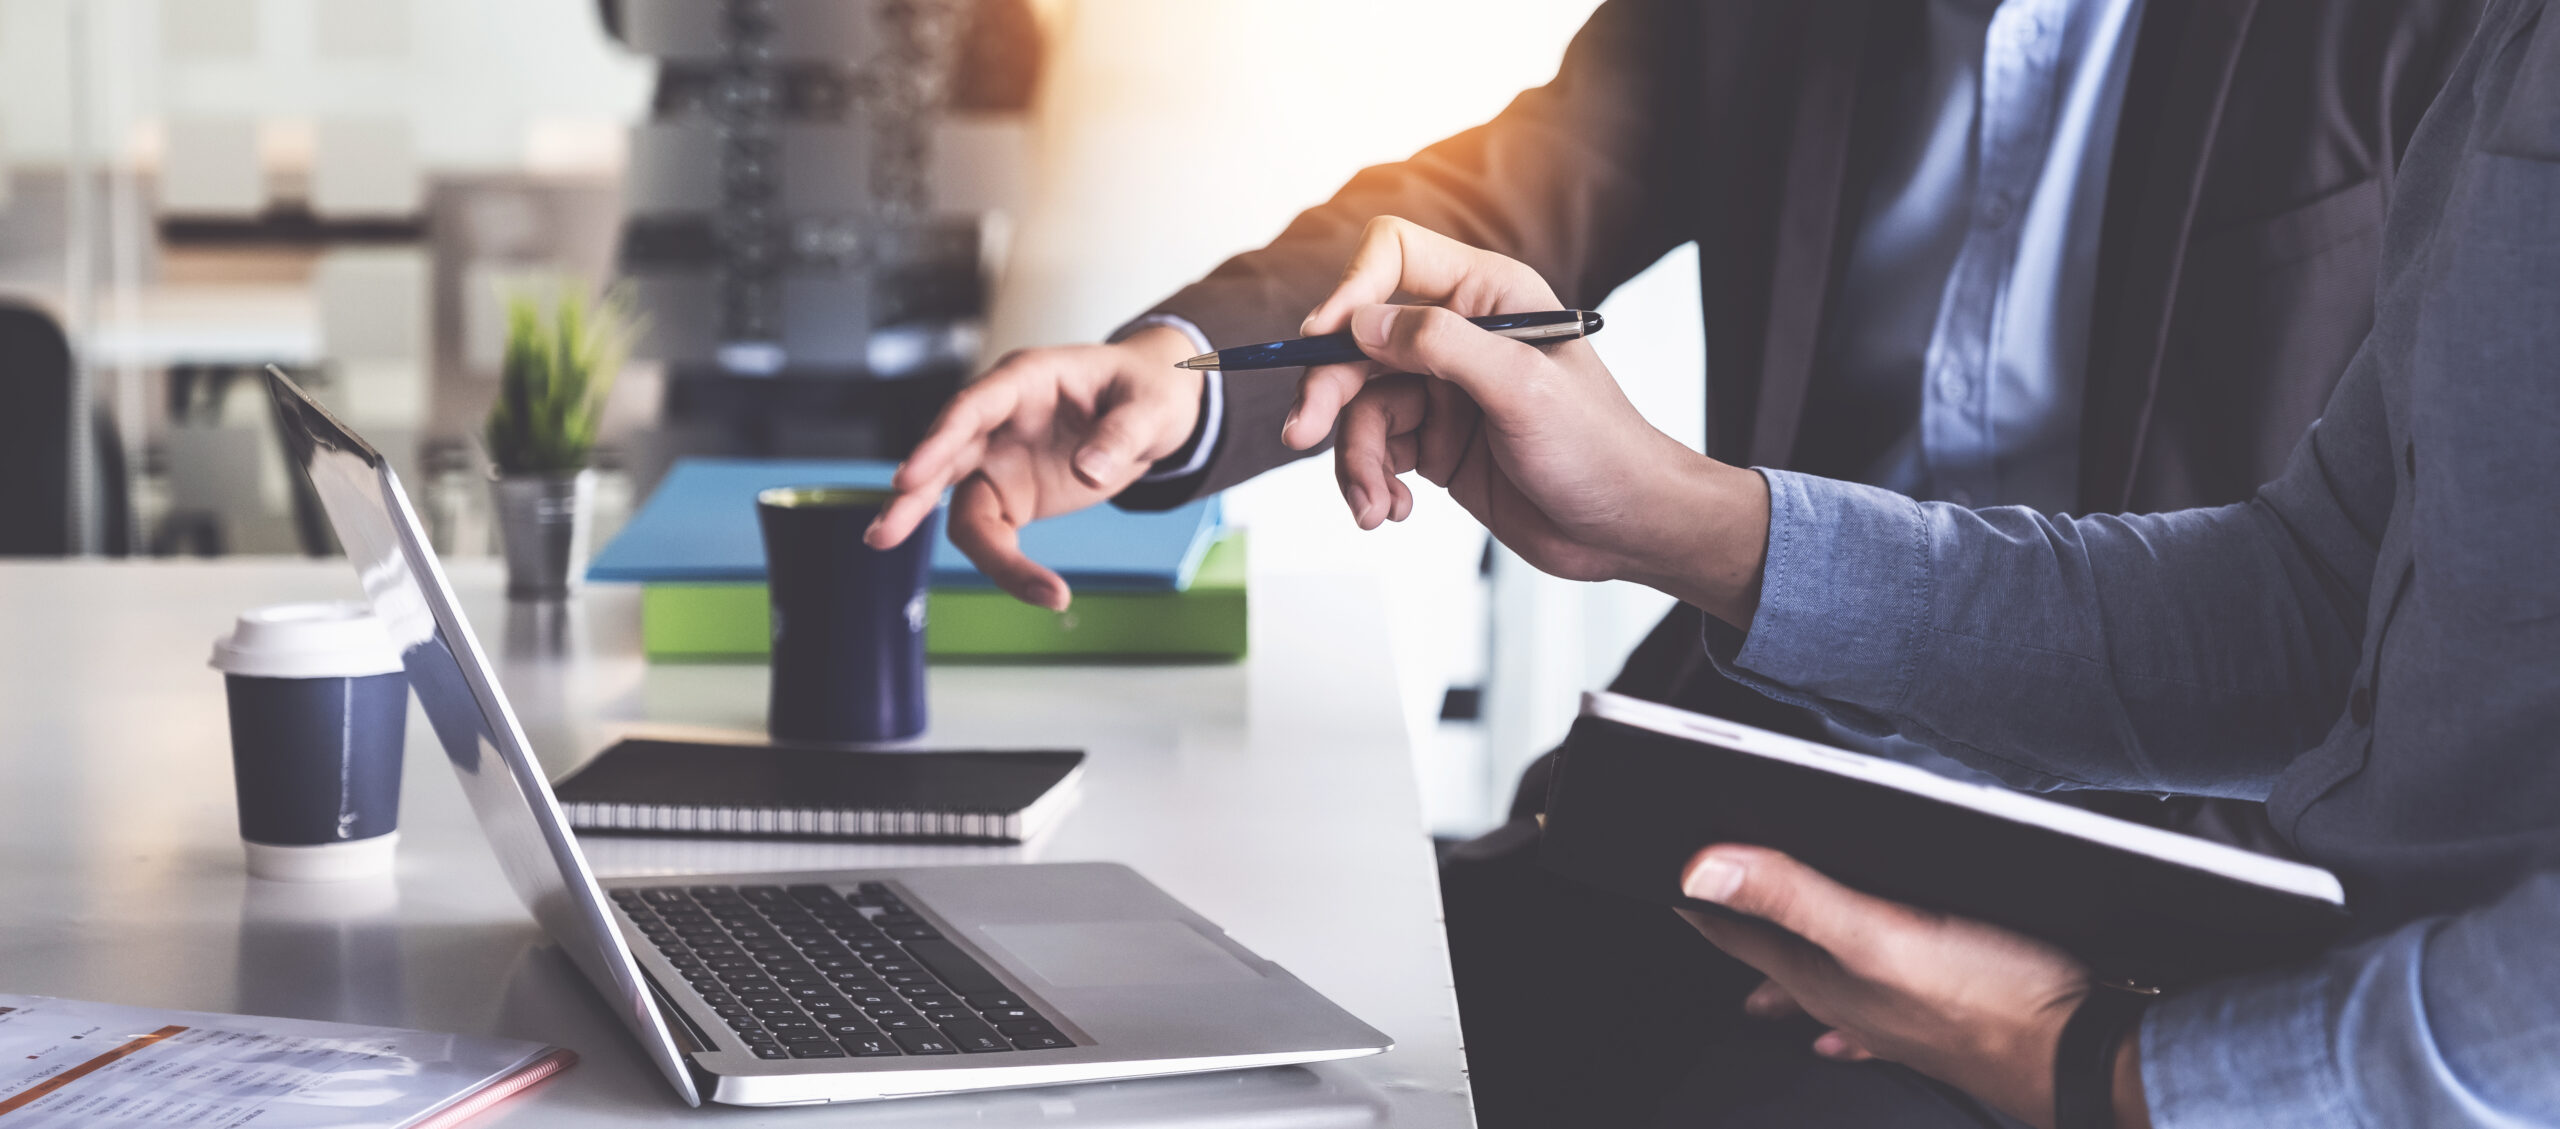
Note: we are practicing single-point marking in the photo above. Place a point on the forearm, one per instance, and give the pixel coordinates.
(2450, 1022)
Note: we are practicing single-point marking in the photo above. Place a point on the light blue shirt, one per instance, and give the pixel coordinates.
(1962, 329)
(1963, 313)
(2370, 645)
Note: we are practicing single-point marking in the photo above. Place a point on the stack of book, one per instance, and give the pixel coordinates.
(1165, 585)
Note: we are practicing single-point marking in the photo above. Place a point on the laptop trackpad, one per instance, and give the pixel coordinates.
(1118, 954)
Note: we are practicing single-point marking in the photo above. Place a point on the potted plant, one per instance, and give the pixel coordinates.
(559, 365)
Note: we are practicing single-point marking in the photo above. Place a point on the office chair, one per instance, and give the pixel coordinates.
(35, 443)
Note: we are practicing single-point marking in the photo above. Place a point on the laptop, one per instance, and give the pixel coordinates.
(821, 986)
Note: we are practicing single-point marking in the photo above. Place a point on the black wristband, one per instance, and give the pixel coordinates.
(2084, 1062)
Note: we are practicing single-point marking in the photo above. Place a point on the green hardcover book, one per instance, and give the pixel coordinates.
(732, 621)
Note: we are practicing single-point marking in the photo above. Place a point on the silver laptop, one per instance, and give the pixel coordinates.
(793, 988)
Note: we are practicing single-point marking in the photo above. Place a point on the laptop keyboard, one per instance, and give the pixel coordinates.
(803, 972)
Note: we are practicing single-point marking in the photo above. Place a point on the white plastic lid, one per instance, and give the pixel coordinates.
(336, 640)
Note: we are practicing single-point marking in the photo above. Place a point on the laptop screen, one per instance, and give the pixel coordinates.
(473, 724)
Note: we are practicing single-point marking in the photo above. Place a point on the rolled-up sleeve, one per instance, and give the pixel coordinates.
(2194, 651)
(2444, 1021)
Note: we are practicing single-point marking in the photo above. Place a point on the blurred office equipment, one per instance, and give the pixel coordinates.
(806, 285)
(36, 450)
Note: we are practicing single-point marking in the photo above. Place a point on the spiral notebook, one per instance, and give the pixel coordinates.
(699, 788)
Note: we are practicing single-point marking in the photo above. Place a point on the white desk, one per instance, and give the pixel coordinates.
(1275, 796)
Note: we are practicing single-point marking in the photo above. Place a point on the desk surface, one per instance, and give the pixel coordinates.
(1275, 796)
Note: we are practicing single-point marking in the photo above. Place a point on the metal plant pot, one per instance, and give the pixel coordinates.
(543, 523)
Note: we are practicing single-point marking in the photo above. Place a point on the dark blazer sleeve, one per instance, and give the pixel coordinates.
(1578, 178)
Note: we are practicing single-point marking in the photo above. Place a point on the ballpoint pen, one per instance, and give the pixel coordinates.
(1545, 327)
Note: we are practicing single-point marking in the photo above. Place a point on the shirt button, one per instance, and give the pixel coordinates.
(2360, 706)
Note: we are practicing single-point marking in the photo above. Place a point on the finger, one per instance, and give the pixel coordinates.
(1795, 897)
(1362, 463)
(1321, 394)
(1126, 440)
(1771, 1000)
(908, 508)
(1840, 1046)
(1777, 954)
(991, 540)
(946, 454)
(1448, 426)
(1400, 453)
(1397, 255)
(1500, 374)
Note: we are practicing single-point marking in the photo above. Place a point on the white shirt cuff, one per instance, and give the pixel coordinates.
(1213, 404)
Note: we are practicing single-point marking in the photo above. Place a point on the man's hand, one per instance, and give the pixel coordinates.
(1541, 446)
(1045, 432)
(1970, 1004)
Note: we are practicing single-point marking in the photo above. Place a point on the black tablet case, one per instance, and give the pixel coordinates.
(784, 789)
(1628, 807)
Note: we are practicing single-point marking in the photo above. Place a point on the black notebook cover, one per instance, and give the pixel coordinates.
(689, 787)
(1640, 788)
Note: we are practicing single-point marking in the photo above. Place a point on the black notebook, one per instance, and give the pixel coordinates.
(686, 787)
(1640, 787)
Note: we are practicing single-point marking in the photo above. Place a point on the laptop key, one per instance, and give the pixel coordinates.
(903, 1023)
(816, 1050)
(870, 1046)
(924, 1042)
(770, 1050)
(955, 967)
(974, 1037)
(985, 1000)
(1026, 1027)
(1010, 1014)
(912, 933)
(946, 1016)
(1042, 1042)
(931, 1000)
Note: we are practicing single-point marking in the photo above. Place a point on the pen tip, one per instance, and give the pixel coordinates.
(1198, 363)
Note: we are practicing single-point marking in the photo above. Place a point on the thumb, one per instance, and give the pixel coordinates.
(1124, 441)
(1797, 898)
(1437, 342)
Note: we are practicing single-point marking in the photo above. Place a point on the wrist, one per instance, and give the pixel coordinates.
(1719, 516)
(1154, 355)
(2133, 1108)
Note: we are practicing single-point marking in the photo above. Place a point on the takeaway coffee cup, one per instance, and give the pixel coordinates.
(848, 619)
(319, 706)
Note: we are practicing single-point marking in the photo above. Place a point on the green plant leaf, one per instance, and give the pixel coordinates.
(556, 371)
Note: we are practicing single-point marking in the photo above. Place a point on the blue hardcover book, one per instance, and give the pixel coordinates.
(700, 526)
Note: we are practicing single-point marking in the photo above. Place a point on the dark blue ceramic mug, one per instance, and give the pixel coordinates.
(848, 619)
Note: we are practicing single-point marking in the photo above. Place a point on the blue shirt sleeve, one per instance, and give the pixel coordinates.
(2190, 652)
(2445, 1021)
